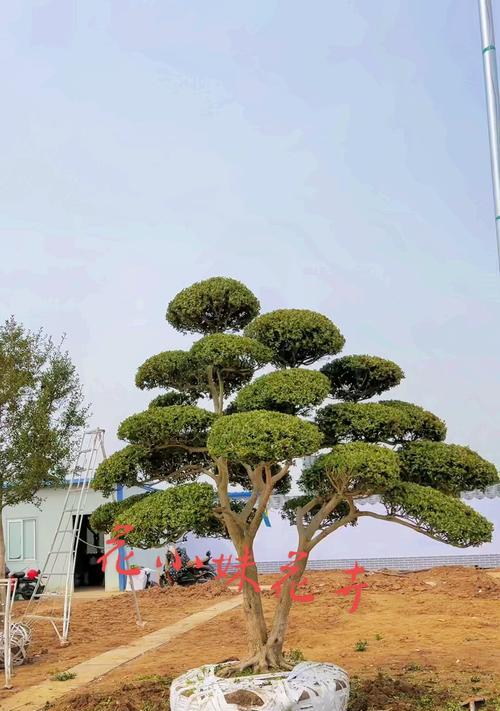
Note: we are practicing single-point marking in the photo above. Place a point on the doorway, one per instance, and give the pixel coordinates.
(88, 572)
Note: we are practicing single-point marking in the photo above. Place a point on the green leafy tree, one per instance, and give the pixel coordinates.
(41, 412)
(258, 427)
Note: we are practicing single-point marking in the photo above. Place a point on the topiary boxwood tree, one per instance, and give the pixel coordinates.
(258, 427)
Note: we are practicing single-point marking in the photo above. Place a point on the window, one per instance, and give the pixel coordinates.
(21, 539)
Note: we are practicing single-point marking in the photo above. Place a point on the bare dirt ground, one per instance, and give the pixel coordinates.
(104, 623)
(434, 635)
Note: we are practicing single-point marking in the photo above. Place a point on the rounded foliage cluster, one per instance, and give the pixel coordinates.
(357, 467)
(216, 304)
(163, 426)
(170, 369)
(447, 467)
(122, 467)
(359, 377)
(296, 336)
(389, 421)
(104, 517)
(170, 514)
(292, 391)
(262, 436)
(444, 517)
(135, 465)
(173, 398)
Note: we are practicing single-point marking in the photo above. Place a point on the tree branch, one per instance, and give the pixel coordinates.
(247, 509)
(346, 520)
(282, 472)
(255, 476)
(264, 496)
(221, 392)
(213, 390)
(324, 511)
(232, 521)
(408, 524)
(302, 511)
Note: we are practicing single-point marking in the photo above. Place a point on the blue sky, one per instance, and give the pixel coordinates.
(333, 156)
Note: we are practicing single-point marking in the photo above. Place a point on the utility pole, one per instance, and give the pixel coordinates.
(492, 103)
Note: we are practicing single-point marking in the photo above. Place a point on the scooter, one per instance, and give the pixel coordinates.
(187, 575)
(26, 583)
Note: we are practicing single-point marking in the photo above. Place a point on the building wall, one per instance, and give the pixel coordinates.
(46, 517)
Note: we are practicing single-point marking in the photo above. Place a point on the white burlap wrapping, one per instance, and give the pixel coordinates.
(310, 686)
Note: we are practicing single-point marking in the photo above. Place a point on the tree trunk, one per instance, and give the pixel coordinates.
(254, 612)
(267, 649)
(276, 638)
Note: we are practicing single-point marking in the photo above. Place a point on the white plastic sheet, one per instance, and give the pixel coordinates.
(310, 686)
(141, 578)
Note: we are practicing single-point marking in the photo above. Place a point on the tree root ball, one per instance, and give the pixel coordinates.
(310, 685)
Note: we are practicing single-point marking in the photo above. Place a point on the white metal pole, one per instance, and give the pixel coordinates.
(10, 593)
(492, 103)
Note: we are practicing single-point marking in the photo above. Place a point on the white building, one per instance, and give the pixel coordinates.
(29, 531)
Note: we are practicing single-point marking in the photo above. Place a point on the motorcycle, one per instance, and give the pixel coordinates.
(26, 583)
(187, 575)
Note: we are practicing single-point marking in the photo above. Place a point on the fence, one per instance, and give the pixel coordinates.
(416, 563)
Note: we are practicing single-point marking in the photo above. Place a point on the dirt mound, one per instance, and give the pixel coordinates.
(384, 692)
(145, 693)
(207, 591)
(454, 581)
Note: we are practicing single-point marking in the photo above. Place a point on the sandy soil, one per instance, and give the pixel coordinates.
(104, 623)
(439, 628)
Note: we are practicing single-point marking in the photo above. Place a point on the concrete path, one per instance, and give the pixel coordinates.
(35, 697)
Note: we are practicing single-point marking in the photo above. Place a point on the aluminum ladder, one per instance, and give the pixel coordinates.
(57, 575)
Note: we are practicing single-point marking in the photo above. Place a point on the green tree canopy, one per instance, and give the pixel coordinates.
(165, 427)
(262, 424)
(171, 369)
(135, 465)
(216, 365)
(167, 516)
(174, 398)
(439, 516)
(359, 377)
(214, 305)
(388, 421)
(293, 392)
(104, 518)
(358, 468)
(296, 336)
(228, 361)
(447, 467)
(41, 415)
(262, 436)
